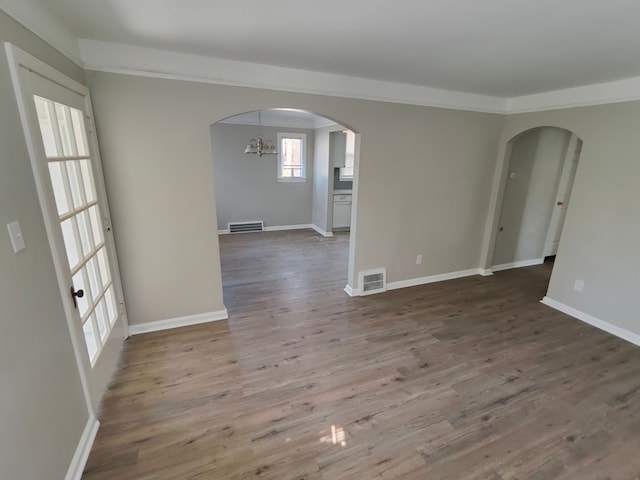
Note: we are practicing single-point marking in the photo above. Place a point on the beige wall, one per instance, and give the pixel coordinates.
(423, 184)
(42, 407)
(246, 186)
(601, 234)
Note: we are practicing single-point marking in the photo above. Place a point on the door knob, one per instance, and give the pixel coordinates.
(74, 294)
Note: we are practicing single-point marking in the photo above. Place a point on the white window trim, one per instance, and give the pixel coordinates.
(303, 160)
(345, 178)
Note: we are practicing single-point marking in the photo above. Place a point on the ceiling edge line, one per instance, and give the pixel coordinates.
(619, 91)
(49, 31)
(139, 61)
(231, 83)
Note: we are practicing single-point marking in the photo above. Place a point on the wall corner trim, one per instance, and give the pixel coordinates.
(81, 455)
(486, 272)
(321, 231)
(593, 321)
(178, 322)
(412, 282)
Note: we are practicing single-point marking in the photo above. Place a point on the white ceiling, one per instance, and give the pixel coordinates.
(501, 48)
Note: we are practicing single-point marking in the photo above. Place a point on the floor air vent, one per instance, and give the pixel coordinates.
(242, 227)
(373, 281)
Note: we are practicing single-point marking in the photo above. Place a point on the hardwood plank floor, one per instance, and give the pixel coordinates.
(465, 379)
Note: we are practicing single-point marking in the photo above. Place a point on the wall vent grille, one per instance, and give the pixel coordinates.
(373, 281)
(243, 227)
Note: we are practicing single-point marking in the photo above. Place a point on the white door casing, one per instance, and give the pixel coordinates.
(563, 195)
(57, 121)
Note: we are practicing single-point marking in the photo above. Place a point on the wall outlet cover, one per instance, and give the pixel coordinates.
(15, 233)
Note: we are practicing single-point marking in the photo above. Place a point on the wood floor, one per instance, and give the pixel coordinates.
(464, 379)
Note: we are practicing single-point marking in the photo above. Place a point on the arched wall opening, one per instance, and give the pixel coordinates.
(533, 196)
(270, 191)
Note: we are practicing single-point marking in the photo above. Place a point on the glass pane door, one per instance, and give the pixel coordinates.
(70, 170)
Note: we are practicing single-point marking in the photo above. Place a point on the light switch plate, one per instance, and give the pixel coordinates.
(15, 233)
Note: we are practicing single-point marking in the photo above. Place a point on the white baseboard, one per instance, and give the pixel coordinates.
(412, 282)
(591, 320)
(288, 227)
(276, 228)
(81, 455)
(178, 322)
(486, 272)
(321, 231)
(352, 292)
(521, 263)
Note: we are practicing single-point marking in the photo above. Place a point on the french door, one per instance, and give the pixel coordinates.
(59, 130)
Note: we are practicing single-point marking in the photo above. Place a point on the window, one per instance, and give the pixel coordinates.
(346, 172)
(291, 157)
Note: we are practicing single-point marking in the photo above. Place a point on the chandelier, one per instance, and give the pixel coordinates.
(260, 146)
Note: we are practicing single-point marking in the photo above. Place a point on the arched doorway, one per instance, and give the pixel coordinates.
(540, 167)
(291, 176)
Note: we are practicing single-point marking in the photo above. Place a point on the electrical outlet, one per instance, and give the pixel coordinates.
(579, 285)
(418, 259)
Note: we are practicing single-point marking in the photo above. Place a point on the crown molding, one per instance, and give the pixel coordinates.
(132, 60)
(618, 91)
(44, 26)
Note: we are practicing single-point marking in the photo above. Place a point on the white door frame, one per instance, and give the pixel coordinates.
(565, 185)
(17, 59)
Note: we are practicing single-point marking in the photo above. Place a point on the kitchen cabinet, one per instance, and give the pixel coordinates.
(338, 148)
(341, 211)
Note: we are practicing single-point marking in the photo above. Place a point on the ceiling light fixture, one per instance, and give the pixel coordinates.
(259, 146)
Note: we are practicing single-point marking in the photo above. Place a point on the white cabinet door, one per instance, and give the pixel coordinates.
(338, 142)
(341, 214)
